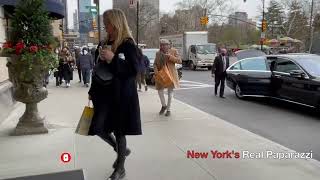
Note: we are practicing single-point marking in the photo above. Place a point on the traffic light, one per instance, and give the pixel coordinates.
(204, 20)
(264, 25)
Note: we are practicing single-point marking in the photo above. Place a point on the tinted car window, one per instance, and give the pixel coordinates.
(236, 66)
(286, 66)
(151, 54)
(311, 64)
(254, 64)
(243, 54)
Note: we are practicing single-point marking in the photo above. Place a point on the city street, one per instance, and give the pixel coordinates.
(290, 125)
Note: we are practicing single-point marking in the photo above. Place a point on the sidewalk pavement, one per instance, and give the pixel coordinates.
(159, 154)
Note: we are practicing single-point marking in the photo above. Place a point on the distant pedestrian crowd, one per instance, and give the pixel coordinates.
(80, 59)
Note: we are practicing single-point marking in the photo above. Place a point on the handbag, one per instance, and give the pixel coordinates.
(70, 68)
(101, 74)
(85, 121)
(163, 77)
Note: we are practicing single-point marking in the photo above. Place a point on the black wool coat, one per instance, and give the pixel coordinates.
(117, 107)
(217, 67)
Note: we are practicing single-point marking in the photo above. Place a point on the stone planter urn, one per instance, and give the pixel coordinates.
(27, 79)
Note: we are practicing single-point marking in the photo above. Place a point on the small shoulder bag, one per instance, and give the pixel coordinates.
(101, 74)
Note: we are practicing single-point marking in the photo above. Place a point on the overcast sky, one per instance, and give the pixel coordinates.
(251, 6)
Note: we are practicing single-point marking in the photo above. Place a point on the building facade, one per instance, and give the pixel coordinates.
(57, 32)
(75, 21)
(238, 18)
(3, 68)
(65, 19)
(183, 20)
(85, 21)
(190, 19)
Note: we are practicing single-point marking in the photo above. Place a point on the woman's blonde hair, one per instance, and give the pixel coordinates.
(118, 20)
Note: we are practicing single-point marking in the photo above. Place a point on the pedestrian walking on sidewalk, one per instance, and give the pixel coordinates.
(86, 64)
(143, 66)
(114, 92)
(220, 65)
(77, 55)
(58, 70)
(58, 73)
(93, 55)
(67, 66)
(169, 57)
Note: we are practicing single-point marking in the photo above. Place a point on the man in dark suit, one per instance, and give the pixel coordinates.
(220, 65)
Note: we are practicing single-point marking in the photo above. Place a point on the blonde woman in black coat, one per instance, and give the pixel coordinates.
(121, 111)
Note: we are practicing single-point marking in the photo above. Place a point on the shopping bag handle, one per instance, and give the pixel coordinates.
(89, 103)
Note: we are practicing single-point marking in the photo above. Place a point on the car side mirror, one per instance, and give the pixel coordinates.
(298, 74)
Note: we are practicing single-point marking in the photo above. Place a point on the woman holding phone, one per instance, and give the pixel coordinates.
(116, 105)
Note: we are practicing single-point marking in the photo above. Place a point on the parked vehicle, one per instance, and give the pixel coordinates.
(151, 54)
(142, 46)
(291, 77)
(194, 49)
(242, 54)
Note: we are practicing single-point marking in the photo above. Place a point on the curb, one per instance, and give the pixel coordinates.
(277, 145)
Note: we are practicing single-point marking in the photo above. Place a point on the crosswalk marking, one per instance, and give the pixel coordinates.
(185, 84)
(194, 82)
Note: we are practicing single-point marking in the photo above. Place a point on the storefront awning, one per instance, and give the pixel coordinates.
(55, 7)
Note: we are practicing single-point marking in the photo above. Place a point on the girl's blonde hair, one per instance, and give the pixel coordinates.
(118, 20)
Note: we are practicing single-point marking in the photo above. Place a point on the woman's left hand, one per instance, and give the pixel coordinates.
(107, 55)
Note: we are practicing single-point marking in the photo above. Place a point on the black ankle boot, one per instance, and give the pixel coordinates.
(122, 150)
(119, 171)
(118, 174)
(128, 151)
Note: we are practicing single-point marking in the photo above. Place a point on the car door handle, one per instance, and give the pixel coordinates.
(236, 74)
(277, 76)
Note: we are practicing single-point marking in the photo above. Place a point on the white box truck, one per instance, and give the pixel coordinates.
(194, 48)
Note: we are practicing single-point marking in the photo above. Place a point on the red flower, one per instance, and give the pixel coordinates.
(33, 49)
(7, 44)
(19, 47)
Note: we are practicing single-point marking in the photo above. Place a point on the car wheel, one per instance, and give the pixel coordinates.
(192, 66)
(238, 92)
